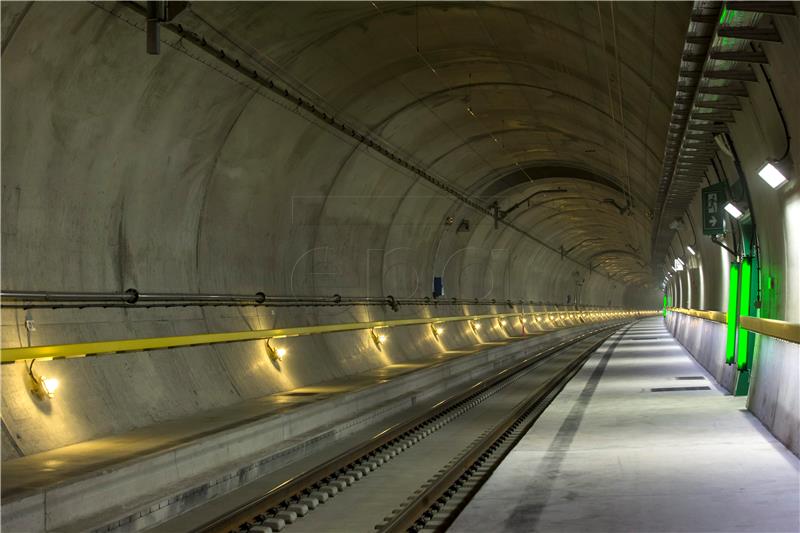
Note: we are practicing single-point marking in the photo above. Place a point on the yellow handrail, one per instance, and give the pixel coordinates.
(779, 329)
(773, 328)
(714, 316)
(60, 351)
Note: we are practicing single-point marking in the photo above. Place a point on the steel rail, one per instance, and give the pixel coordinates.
(415, 515)
(292, 490)
(83, 349)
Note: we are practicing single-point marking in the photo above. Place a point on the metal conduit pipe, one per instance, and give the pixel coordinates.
(132, 297)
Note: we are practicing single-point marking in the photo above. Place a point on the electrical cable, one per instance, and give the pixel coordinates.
(779, 109)
(694, 230)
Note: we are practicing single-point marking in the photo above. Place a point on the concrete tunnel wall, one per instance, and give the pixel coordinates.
(127, 170)
(758, 136)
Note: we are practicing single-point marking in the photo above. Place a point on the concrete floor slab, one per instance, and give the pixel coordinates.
(611, 455)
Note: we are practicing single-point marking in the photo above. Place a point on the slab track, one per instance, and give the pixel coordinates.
(419, 475)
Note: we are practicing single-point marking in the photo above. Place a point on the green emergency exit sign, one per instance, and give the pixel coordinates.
(714, 199)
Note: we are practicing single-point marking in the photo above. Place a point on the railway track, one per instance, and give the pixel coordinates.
(417, 476)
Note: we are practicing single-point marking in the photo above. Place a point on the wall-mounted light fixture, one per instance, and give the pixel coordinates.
(475, 326)
(678, 264)
(437, 330)
(43, 387)
(733, 211)
(276, 354)
(378, 338)
(772, 176)
(691, 250)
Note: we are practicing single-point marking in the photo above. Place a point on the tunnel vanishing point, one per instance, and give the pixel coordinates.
(400, 266)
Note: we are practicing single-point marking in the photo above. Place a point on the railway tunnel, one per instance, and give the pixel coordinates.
(400, 266)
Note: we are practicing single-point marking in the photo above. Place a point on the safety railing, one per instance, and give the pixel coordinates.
(62, 351)
(773, 328)
(714, 316)
(778, 329)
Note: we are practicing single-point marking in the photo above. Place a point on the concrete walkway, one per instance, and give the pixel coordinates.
(623, 449)
(86, 459)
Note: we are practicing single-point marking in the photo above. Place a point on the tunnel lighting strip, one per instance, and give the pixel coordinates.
(62, 351)
(779, 329)
(744, 310)
(283, 92)
(733, 306)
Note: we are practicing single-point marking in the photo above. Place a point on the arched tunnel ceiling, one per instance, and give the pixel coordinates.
(501, 99)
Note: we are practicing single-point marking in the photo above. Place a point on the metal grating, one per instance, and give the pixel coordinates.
(714, 72)
(677, 389)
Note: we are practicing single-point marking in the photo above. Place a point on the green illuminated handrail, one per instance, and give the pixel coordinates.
(779, 329)
(61, 351)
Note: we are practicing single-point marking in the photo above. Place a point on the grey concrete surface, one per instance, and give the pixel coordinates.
(610, 455)
(171, 173)
(705, 340)
(774, 395)
(775, 389)
(367, 504)
(146, 476)
(168, 174)
(758, 135)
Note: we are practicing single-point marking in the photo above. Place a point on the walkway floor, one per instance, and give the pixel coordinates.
(623, 448)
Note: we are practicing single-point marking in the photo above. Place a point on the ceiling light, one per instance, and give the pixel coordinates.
(772, 175)
(504, 322)
(691, 250)
(733, 211)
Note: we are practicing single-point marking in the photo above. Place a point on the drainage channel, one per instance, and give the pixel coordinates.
(401, 480)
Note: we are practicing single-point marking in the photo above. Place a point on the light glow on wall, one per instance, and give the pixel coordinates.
(702, 288)
(689, 289)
